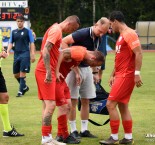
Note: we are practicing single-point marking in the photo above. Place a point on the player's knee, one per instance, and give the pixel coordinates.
(51, 107)
(74, 103)
(110, 106)
(69, 105)
(16, 76)
(68, 108)
(4, 98)
(85, 102)
(51, 110)
(64, 109)
(73, 107)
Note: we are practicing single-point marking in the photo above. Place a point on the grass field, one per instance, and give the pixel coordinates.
(25, 112)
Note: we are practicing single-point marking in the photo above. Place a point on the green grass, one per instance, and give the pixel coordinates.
(25, 112)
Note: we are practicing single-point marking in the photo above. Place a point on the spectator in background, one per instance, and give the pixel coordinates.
(22, 39)
(9, 131)
(126, 74)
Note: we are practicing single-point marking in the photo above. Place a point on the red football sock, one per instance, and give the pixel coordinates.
(46, 130)
(59, 132)
(114, 124)
(62, 126)
(127, 125)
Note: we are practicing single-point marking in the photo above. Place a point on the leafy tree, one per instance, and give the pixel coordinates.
(46, 12)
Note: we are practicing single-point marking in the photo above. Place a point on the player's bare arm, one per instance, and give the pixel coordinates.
(46, 58)
(138, 58)
(66, 41)
(3, 54)
(77, 75)
(66, 56)
(32, 50)
(112, 77)
(138, 63)
(9, 48)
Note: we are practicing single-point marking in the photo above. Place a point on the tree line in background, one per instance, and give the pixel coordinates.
(43, 13)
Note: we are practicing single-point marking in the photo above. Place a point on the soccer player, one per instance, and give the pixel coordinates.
(125, 76)
(22, 39)
(45, 72)
(90, 38)
(69, 58)
(9, 131)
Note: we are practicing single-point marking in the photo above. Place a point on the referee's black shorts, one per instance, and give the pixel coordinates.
(3, 88)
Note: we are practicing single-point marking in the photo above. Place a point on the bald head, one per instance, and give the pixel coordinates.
(102, 26)
(73, 18)
(103, 21)
(70, 24)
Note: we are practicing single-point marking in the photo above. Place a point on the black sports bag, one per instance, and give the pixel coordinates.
(98, 105)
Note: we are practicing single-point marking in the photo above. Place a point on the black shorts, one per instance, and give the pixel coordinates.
(3, 88)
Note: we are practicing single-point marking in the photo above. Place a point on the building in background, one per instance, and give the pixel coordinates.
(9, 10)
(146, 33)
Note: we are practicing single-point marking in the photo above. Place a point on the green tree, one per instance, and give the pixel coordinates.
(46, 12)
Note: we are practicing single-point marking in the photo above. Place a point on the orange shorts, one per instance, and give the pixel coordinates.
(62, 93)
(46, 91)
(121, 90)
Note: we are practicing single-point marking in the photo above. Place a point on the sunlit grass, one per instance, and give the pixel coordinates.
(25, 112)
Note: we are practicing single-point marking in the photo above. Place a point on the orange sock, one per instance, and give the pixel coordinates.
(46, 130)
(62, 126)
(127, 125)
(114, 124)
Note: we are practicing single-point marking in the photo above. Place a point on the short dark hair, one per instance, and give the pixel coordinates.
(99, 56)
(116, 15)
(73, 18)
(21, 17)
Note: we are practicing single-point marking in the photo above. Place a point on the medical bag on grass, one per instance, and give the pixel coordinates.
(98, 105)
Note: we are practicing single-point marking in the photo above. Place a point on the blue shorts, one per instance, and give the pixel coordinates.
(21, 64)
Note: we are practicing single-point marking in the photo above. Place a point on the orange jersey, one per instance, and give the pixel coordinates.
(77, 55)
(125, 58)
(53, 35)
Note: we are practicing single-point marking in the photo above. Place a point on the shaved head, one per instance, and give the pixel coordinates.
(103, 21)
(73, 18)
(101, 27)
(70, 24)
